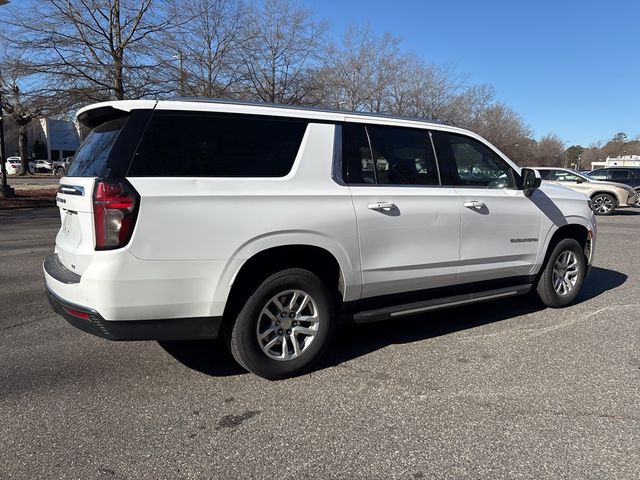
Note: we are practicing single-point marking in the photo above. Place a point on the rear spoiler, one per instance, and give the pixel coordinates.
(94, 115)
(97, 116)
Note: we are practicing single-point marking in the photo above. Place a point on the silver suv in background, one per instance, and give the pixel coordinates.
(60, 167)
(627, 175)
(605, 196)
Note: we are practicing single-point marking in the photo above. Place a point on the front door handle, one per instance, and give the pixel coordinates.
(381, 206)
(477, 204)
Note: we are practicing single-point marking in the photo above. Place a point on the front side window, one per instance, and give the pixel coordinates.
(467, 162)
(599, 174)
(564, 176)
(194, 144)
(376, 154)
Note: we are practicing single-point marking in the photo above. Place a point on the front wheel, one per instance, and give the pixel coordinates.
(285, 326)
(637, 204)
(59, 172)
(563, 274)
(603, 204)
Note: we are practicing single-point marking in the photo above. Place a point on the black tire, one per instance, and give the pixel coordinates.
(243, 339)
(59, 171)
(637, 204)
(603, 204)
(545, 287)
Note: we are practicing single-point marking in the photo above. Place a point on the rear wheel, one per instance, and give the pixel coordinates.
(285, 326)
(59, 171)
(563, 274)
(603, 204)
(637, 204)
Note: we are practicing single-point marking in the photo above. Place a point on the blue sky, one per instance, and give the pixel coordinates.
(567, 67)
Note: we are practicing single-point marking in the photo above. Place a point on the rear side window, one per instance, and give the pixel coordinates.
(403, 156)
(185, 144)
(618, 175)
(357, 161)
(91, 159)
(376, 154)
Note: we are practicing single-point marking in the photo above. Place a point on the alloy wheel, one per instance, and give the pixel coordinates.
(566, 271)
(287, 325)
(602, 204)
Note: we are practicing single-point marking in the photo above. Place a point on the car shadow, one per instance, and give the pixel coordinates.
(350, 341)
(210, 357)
(349, 344)
(627, 212)
(599, 281)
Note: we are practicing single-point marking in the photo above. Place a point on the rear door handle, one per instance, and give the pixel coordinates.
(381, 206)
(477, 204)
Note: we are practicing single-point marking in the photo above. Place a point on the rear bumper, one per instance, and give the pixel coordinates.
(89, 320)
(165, 329)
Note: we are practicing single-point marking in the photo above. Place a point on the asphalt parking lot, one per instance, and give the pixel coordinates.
(501, 390)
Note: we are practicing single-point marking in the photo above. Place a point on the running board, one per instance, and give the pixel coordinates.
(438, 304)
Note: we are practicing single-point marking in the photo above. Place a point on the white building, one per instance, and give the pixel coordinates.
(623, 161)
(61, 137)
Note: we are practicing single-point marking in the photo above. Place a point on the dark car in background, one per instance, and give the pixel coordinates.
(627, 175)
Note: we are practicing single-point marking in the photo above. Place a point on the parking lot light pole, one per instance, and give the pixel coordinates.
(5, 190)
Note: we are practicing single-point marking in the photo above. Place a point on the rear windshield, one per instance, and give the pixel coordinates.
(91, 158)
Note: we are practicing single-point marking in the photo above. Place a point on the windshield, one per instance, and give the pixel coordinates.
(563, 175)
(581, 175)
(91, 158)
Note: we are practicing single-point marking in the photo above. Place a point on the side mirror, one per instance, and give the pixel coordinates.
(531, 180)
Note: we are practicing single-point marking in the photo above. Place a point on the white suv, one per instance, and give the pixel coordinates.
(265, 224)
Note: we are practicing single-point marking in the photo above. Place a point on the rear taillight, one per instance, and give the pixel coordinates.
(115, 208)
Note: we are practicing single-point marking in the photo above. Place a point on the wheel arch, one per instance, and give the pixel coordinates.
(605, 192)
(577, 231)
(249, 273)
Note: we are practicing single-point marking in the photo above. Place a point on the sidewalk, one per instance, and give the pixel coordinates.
(30, 195)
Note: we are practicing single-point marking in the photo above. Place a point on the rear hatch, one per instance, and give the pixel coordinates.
(97, 205)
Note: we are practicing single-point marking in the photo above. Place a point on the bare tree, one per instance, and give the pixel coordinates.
(22, 113)
(590, 155)
(470, 106)
(89, 50)
(426, 91)
(360, 74)
(549, 152)
(205, 46)
(22, 105)
(283, 47)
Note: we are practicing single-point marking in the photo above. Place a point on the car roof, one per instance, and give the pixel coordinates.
(95, 114)
(618, 167)
(196, 104)
(553, 168)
